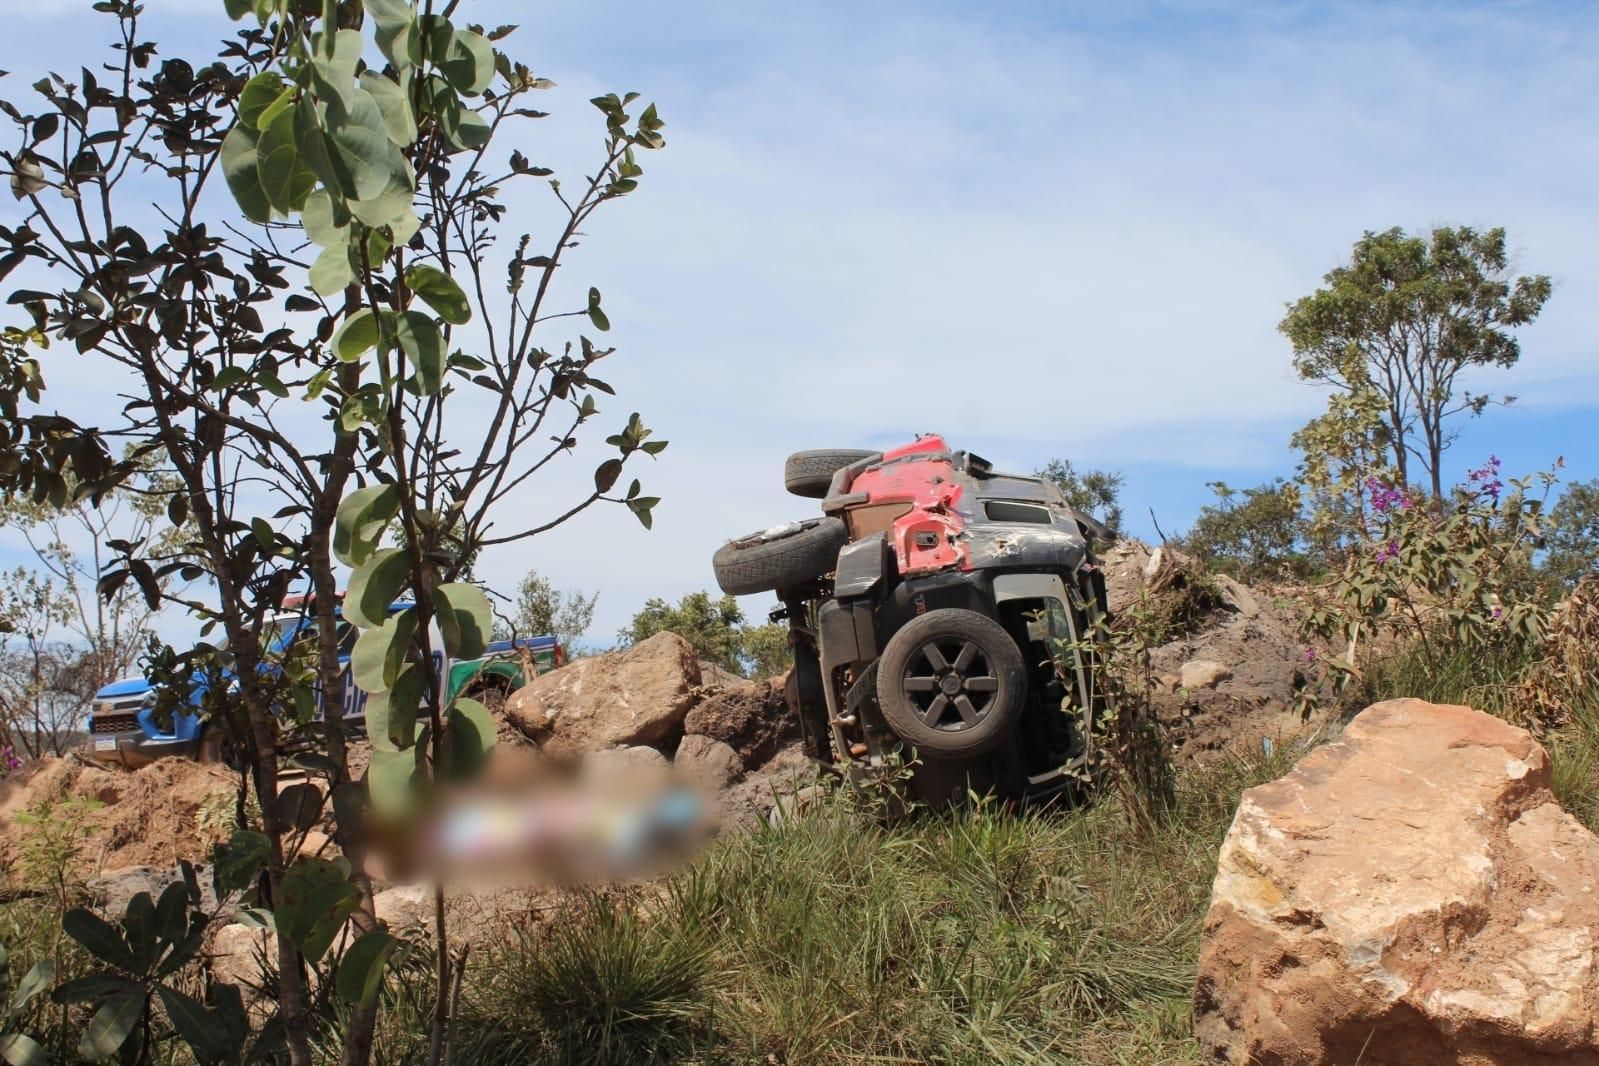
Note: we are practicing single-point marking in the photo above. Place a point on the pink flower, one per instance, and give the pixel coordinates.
(1309, 656)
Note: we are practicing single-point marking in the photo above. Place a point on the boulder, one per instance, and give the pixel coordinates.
(404, 908)
(1202, 673)
(752, 719)
(246, 956)
(618, 762)
(638, 695)
(709, 762)
(1411, 893)
(1235, 597)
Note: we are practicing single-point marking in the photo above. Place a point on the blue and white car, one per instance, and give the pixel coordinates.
(123, 729)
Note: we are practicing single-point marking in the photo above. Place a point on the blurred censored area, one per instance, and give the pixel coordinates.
(613, 818)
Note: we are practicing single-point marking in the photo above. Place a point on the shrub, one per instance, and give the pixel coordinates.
(1453, 589)
(1252, 533)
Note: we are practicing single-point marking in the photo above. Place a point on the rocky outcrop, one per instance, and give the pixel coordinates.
(635, 696)
(1411, 893)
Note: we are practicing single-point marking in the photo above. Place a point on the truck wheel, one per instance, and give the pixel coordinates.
(809, 474)
(779, 557)
(216, 748)
(951, 683)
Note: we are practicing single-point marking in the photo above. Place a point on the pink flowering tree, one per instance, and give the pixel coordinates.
(1428, 578)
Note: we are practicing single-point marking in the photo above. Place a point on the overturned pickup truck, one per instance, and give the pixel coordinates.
(936, 605)
(124, 730)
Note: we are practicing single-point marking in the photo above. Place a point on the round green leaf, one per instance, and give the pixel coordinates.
(388, 782)
(465, 618)
(440, 292)
(242, 175)
(286, 180)
(314, 900)
(391, 715)
(379, 653)
(317, 218)
(362, 145)
(332, 273)
(469, 66)
(361, 968)
(363, 517)
(333, 70)
(469, 130)
(374, 585)
(468, 739)
(396, 36)
(394, 104)
(258, 94)
(419, 337)
(357, 336)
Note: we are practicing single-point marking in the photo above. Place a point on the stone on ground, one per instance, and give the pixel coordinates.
(1410, 894)
(635, 696)
(709, 762)
(1202, 673)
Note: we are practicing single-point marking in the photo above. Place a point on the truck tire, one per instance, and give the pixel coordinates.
(810, 473)
(951, 683)
(216, 748)
(779, 557)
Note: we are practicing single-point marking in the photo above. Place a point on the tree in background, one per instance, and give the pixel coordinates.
(766, 651)
(1252, 533)
(66, 641)
(1572, 537)
(1403, 321)
(717, 631)
(541, 609)
(712, 627)
(1096, 492)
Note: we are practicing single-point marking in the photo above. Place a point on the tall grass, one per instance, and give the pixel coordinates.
(979, 936)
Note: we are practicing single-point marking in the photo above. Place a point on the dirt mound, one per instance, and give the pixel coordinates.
(152, 816)
(750, 717)
(1243, 654)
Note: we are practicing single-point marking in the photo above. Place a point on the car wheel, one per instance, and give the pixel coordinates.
(780, 557)
(216, 748)
(809, 474)
(951, 683)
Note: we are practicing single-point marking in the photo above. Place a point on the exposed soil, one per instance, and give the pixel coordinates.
(145, 817)
(1253, 634)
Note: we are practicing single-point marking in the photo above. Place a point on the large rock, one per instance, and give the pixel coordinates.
(709, 762)
(751, 718)
(1411, 893)
(635, 696)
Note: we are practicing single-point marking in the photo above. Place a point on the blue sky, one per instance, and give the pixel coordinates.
(1040, 229)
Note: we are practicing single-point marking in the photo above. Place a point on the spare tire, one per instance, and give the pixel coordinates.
(779, 557)
(951, 683)
(810, 473)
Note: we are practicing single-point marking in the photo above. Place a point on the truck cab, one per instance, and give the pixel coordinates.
(123, 730)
